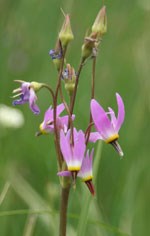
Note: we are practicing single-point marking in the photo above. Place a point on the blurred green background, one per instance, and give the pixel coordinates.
(28, 30)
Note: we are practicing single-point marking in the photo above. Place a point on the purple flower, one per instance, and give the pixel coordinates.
(108, 127)
(86, 169)
(94, 136)
(85, 172)
(73, 153)
(26, 93)
(47, 126)
(54, 54)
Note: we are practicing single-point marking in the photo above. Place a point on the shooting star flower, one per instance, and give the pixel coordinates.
(73, 153)
(109, 128)
(47, 126)
(26, 93)
(85, 172)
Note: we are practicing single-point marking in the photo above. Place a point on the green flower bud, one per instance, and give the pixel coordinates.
(66, 34)
(69, 77)
(100, 23)
(87, 47)
(57, 63)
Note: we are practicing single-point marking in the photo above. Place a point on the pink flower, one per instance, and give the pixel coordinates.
(73, 153)
(85, 172)
(108, 127)
(47, 126)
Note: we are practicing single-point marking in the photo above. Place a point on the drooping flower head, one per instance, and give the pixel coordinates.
(73, 153)
(26, 93)
(108, 127)
(85, 172)
(47, 126)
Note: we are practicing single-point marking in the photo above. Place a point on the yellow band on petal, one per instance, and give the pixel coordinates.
(88, 178)
(112, 138)
(42, 130)
(74, 168)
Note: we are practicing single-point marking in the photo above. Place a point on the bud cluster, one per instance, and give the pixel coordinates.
(99, 28)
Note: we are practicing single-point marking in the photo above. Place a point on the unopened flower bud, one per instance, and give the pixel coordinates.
(66, 34)
(87, 47)
(100, 23)
(69, 77)
(56, 57)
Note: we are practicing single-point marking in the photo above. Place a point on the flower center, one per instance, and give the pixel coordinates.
(88, 178)
(73, 168)
(112, 138)
(43, 131)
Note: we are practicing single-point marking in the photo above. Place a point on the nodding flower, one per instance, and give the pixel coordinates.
(108, 127)
(73, 154)
(85, 172)
(27, 93)
(47, 126)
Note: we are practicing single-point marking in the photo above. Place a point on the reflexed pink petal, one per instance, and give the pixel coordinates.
(65, 147)
(113, 117)
(64, 119)
(121, 112)
(86, 168)
(60, 109)
(87, 163)
(79, 146)
(64, 173)
(68, 135)
(48, 115)
(101, 120)
(75, 133)
(94, 136)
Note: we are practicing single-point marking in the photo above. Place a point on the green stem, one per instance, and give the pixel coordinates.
(56, 135)
(63, 210)
(92, 96)
(76, 86)
(60, 158)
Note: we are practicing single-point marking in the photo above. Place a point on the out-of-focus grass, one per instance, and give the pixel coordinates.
(28, 29)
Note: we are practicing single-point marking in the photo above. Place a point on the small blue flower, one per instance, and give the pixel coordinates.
(54, 54)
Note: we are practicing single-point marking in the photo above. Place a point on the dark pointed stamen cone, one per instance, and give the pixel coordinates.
(90, 186)
(117, 147)
(38, 133)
